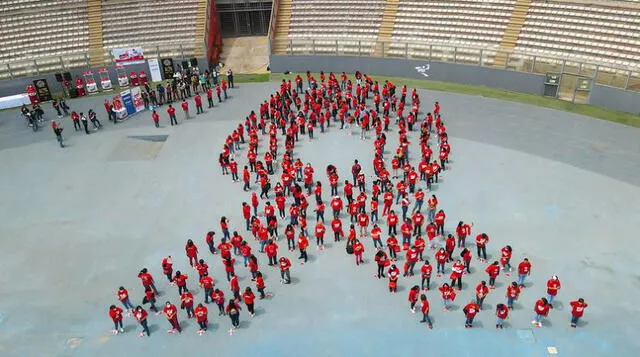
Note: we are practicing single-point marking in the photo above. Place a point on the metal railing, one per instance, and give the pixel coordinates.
(620, 77)
(61, 63)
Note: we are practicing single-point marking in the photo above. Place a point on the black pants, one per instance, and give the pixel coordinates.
(492, 281)
(303, 255)
(440, 229)
(116, 324)
(96, 123)
(145, 327)
(221, 309)
(392, 230)
(250, 309)
(261, 291)
(459, 281)
(173, 119)
(428, 280)
(336, 236)
(203, 325)
(76, 125)
(169, 277)
(482, 252)
(86, 126)
(182, 289)
(235, 320)
(210, 100)
(212, 248)
(380, 271)
(273, 260)
(392, 253)
(199, 109)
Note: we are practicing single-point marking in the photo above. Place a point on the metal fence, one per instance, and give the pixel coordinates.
(64, 62)
(625, 78)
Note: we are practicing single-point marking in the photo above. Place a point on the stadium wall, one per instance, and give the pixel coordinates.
(615, 98)
(438, 71)
(530, 83)
(18, 85)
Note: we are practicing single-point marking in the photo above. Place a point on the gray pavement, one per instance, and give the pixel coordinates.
(78, 222)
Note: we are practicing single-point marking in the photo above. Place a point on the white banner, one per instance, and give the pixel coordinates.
(126, 56)
(154, 69)
(136, 96)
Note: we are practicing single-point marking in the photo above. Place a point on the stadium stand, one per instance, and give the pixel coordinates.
(31, 29)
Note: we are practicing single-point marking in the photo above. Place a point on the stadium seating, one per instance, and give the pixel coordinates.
(596, 33)
(356, 22)
(150, 23)
(32, 29)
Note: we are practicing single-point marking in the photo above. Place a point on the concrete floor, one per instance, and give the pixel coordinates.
(562, 189)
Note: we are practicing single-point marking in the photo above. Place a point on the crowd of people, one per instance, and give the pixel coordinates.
(260, 153)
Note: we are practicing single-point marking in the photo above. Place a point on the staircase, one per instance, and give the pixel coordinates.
(283, 20)
(386, 27)
(201, 28)
(96, 47)
(512, 32)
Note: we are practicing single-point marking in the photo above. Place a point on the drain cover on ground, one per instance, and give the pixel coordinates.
(526, 335)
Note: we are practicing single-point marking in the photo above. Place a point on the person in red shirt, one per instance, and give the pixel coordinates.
(185, 108)
(553, 285)
(450, 246)
(198, 100)
(426, 271)
(201, 313)
(156, 119)
(424, 308)
(413, 298)
(513, 291)
(524, 270)
(481, 292)
(171, 313)
(271, 250)
(181, 281)
(363, 222)
(192, 252)
(502, 312)
(541, 310)
(470, 312)
(246, 178)
(172, 115)
(234, 286)
(456, 274)
(285, 274)
(493, 270)
(123, 296)
(116, 316)
(167, 267)
(150, 297)
(382, 262)
(260, 284)
(249, 299)
(481, 244)
(466, 258)
(358, 250)
(439, 221)
(463, 230)
(505, 258)
(577, 310)
(393, 273)
(206, 282)
(448, 295)
(186, 303)
(392, 222)
(147, 280)
(140, 315)
(441, 259)
(320, 230)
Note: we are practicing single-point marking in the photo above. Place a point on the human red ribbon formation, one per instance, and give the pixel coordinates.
(401, 183)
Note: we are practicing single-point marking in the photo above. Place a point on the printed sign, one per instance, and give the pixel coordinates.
(424, 69)
(167, 67)
(154, 69)
(42, 90)
(127, 56)
(127, 101)
(136, 96)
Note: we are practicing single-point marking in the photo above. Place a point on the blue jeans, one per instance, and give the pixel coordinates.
(127, 304)
(404, 212)
(550, 298)
(226, 234)
(447, 303)
(262, 244)
(574, 320)
(521, 278)
(510, 301)
(377, 242)
(431, 214)
(374, 216)
(538, 318)
(499, 322)
(418, 206)
(439, 266)
(236, 250)
(246, 260)
(469, 321)
(426, 318)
